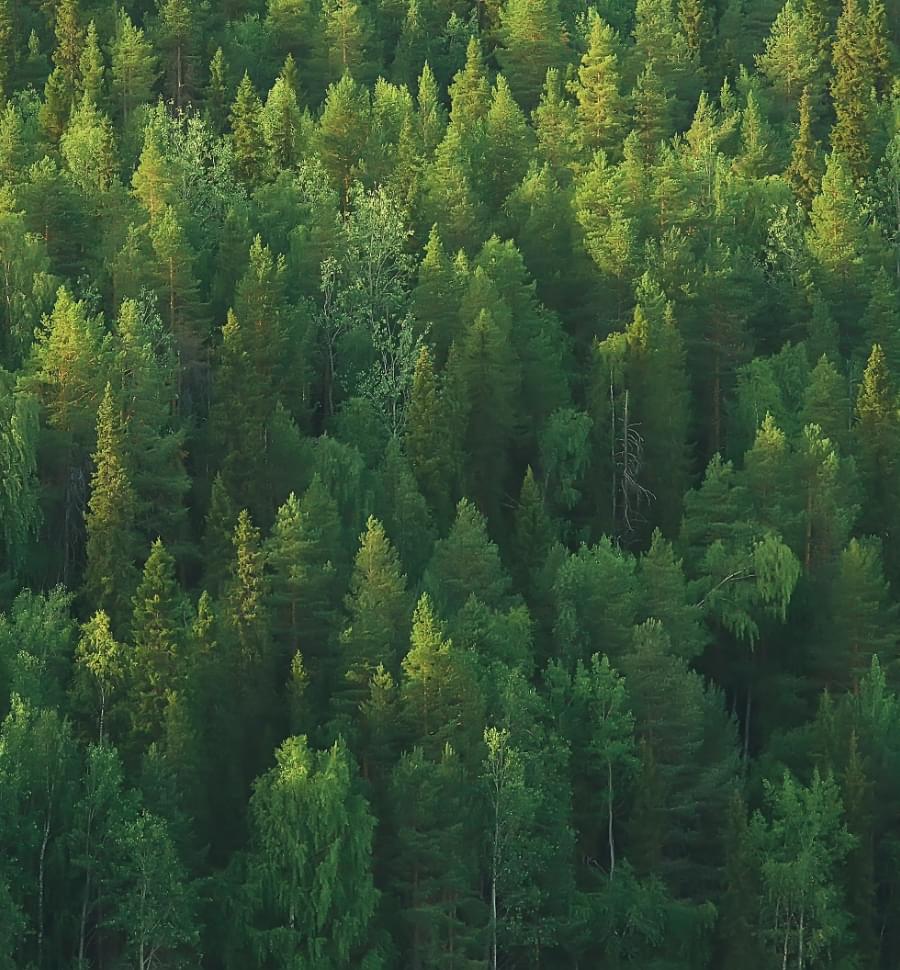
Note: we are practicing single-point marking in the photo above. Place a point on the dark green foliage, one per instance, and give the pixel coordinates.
(449, 459)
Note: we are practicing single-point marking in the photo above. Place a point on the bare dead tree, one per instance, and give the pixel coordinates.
(628, 458)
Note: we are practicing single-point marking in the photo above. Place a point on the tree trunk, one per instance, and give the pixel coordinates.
(612, 843)
(43, 855)
(747, 712)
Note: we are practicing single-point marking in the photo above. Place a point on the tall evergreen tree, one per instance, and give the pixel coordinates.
(533, 40)
(111, 573)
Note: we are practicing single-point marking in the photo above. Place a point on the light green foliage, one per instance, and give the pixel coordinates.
(801, 849)
(533, 40)
(498, 401)
(133, 67)
(307, 892)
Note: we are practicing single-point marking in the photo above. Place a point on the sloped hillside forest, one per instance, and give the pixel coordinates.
(450, 495)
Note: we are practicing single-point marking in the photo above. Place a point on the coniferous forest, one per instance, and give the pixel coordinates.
(450, 484)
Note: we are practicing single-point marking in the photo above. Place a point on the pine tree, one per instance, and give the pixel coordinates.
(71, 361)
(178, 290)
(134, 69)
(343, 133)
(840, 241)
(533, 40)
(111, 574)
(793, 58)
(347, 34)
(176, 25)
(556, 126)
(601, 107)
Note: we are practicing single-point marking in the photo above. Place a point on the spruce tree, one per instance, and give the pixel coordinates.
(851, 90)
(466, 563)
(247, 134)
(469, 91)
(217, 98)
(91, 67)
(804, 173)
(877, 440)
(7, 46)
(158, 665)
(378, 607)
(440, 703)
(111, 573)
(507, 144)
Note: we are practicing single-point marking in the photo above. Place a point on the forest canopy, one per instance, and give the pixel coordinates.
(449, 462)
